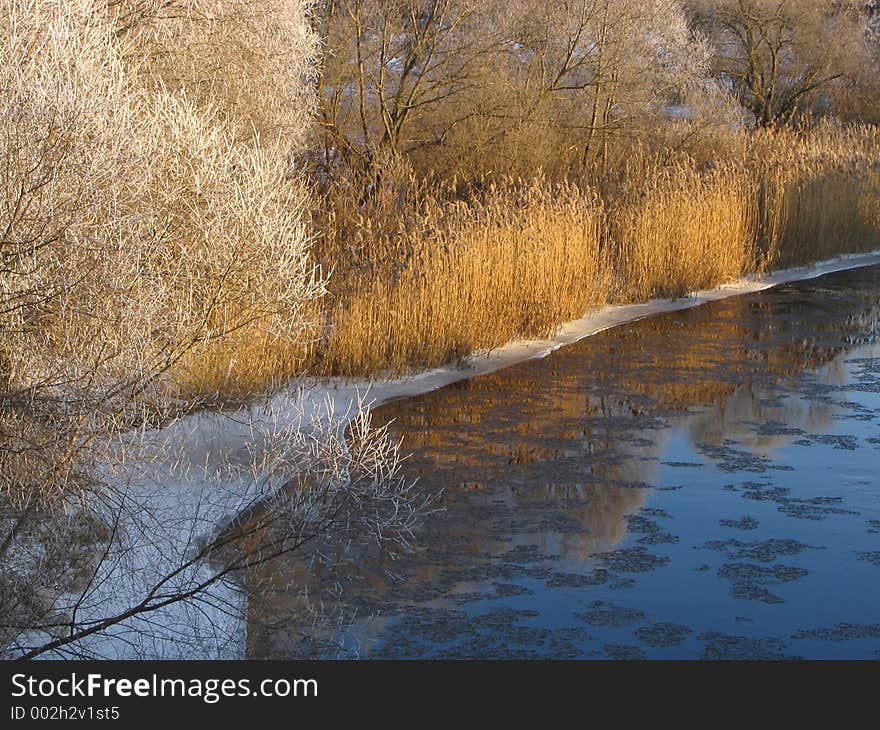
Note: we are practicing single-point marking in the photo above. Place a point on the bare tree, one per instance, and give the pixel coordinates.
(783, 57)
(389, 64)
(601, 64)
(509, 80)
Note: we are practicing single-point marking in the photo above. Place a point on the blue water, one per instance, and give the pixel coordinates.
(700, 484)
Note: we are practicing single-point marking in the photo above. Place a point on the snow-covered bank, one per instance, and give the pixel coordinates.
(216, 439)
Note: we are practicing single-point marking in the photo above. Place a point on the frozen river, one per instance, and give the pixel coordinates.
(701, 483)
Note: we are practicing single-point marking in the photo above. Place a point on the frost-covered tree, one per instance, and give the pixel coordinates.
(783, 58)
(151, 214)
(603, 64)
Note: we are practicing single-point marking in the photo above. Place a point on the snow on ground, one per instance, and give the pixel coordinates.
(195, 475)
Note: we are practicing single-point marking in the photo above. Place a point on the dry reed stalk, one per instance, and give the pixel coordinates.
(512, 266)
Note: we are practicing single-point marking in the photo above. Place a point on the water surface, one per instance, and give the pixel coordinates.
(703, 483)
